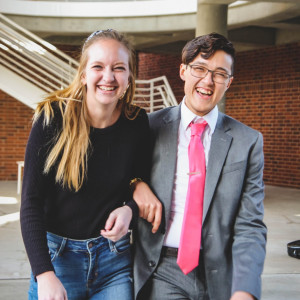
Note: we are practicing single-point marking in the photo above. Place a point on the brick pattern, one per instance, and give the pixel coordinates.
(265, 95)
(15, 124)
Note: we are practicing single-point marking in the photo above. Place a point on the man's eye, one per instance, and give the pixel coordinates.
(221, 75)
(199, 69)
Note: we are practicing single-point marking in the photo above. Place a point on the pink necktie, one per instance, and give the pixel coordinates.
(190, 239)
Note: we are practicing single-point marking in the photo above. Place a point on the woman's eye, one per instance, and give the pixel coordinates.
(119, 69)
(97, 67)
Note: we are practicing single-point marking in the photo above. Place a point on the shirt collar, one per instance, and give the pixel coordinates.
(187, 117)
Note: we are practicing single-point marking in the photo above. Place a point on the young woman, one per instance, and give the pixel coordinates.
(87, 143)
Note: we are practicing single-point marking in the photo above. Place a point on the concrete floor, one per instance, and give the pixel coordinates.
(281, 276)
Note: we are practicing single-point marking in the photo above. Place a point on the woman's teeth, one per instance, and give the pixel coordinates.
(107, 88)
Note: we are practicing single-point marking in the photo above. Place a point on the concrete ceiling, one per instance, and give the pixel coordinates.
(156, 26)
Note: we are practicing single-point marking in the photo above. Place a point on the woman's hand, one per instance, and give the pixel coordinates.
(50, 287)
(150, 207)
(239, 295)
(117, 223)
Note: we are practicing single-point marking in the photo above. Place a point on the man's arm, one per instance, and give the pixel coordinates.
(248, 250)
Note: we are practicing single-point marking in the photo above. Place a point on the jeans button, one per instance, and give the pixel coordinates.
(90, 245)
(151, 264)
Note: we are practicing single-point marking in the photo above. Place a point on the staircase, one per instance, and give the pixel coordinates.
(31, 67)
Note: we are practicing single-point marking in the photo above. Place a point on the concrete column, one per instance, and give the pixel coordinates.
(212, 18)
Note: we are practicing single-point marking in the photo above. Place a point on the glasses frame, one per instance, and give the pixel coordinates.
(209, 71)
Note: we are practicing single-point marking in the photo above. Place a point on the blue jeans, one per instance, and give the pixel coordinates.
(94, 269)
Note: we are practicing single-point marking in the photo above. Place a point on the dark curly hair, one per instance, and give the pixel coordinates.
(207, 45)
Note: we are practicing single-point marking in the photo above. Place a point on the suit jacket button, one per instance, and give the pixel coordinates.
(151, 263)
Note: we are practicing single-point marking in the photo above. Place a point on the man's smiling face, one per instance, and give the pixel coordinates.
(203, 94)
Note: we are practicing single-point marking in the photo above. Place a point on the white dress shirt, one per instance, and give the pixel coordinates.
(181, 178)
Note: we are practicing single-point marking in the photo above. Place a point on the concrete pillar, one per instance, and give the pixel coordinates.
(212, 18)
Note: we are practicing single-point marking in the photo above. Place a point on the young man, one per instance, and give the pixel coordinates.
(230, 246)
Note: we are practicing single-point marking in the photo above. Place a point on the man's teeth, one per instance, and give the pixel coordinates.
(107, 88)
(205, 92)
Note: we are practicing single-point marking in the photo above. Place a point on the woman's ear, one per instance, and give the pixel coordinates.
(83, 79)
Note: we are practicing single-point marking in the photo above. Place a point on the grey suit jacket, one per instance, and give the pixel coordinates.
(233, 232)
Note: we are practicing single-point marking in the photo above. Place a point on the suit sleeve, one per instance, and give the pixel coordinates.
(248, 250)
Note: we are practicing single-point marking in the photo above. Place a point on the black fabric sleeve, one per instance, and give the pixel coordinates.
(135, 212)
(143, 153)
(142, 158)
(32, 204)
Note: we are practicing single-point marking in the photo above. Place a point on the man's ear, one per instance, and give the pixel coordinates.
(182, 71)
(229, 83)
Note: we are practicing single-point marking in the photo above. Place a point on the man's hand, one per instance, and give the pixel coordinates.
(242, 296)
(50, 287)
(150, 208)
(117, 223)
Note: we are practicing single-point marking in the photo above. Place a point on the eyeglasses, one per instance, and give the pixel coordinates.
(217, 76)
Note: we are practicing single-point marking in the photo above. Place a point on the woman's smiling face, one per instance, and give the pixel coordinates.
(106, 75)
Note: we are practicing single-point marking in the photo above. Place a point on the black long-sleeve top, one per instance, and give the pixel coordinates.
(118, 154)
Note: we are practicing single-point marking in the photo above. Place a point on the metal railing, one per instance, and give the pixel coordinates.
(33, 58)
(50, 69)
(154, 94)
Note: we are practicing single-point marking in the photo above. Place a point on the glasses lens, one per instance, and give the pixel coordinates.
(220, 77)
(201, 72)
(198, 71)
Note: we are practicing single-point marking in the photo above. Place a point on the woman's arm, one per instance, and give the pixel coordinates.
(32, 201)
(149, 206)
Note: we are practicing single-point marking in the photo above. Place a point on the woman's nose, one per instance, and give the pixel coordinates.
(108, 75)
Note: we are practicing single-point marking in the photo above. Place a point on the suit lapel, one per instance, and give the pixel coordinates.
(219, 148)
(169, 137)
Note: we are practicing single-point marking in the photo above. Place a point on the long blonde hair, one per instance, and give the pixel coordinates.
(71, 145)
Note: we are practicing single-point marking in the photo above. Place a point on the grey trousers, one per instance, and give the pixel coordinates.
(169, 283)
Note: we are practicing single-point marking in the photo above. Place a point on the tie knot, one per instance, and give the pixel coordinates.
(198, 128)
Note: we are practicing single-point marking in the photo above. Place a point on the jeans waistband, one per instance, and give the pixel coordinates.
(89, 244)
(75, 243)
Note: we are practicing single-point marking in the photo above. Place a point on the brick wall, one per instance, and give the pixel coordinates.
(15, 124)
(155, 65)
(265, 95)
